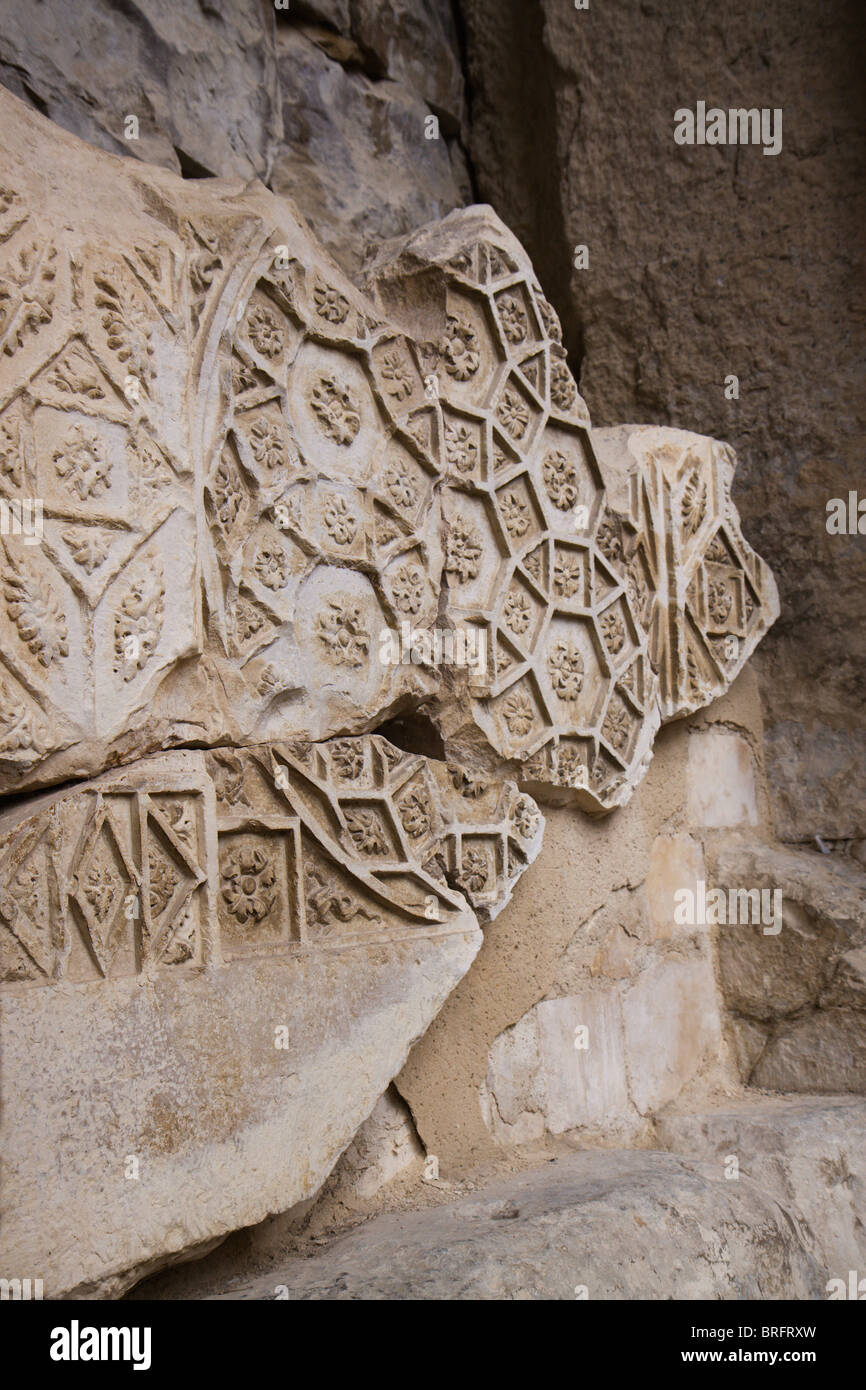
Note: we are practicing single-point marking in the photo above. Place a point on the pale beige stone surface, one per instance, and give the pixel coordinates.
(547, 1075)
(721, 780)
(676, 862)
(600, 1061)
(672, 1026)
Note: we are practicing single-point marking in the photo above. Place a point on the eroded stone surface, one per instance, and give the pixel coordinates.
(162, 63)
(796, 991)
(160, 926)
(600, 1060)
(353, 153)
(808, 1151)
(592, 1225)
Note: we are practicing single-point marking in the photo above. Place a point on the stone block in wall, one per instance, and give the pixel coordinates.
(676, 862)
(559, 1068)
(671, 1025)
(720, 779)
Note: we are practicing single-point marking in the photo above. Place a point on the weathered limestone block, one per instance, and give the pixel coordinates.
(213, 964)
(415, 44)
(539, 1080)
(809, 1152)
(252, 477)
(353, 154)
(602, 1059)
(606, 570)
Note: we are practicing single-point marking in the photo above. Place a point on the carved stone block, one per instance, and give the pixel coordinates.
(253, 477)
(212, 966)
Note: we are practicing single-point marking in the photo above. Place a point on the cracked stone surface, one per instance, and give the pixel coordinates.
(251, 474)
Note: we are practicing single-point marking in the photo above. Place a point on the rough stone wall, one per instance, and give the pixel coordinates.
(325, 101)
(705, 262)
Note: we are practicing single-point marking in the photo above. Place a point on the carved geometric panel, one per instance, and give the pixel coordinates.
(311, 847)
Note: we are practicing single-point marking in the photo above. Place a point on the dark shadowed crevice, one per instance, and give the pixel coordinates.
(414, 733)
(190, 167)
(512, 84)
(36, 100)
(468, 97)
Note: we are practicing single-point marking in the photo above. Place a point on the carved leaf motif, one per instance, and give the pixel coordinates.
(33, 273)
(694, 503)
(88, 548)
(525, 818)
(463, 550)
(127, 330)
(75, 375)
(461, 450)
(336, 410)
(407, 588)
(341, 629)
(397, 375)
(249, 883)
(37, 614)
(330, 304)
(11, 454)
(82, 464)
(18, 727)
(613, 631)
(565, 665)
(563, 391)
(400, 485)
(513, 413)
(366, 832)
(519, 714)
(163, 881)
(474, 871)
(560, 479)
(414, 811)
(514, 321)
(459, 349)
(138, 623)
